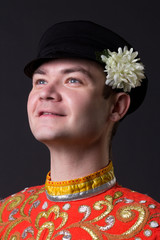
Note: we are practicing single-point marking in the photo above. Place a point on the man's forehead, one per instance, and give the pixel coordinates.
(67, 66)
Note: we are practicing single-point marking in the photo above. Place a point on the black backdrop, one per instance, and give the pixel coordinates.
(136, 150)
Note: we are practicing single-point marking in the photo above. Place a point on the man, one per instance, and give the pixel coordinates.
(85, 80)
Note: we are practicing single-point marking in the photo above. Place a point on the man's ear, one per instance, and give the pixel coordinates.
(120, 106)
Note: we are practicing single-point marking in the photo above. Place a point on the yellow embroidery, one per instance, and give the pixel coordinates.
(11, 204)
(58, 214)
(14, 202)
(29, 200)
(124, 214)
(117, 194)
(46, 225)
(16, 236)
(100, 204)
(96, 227)
(12, 225)
(91, 233)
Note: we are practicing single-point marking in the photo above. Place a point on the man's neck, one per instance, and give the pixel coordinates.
(73, 162)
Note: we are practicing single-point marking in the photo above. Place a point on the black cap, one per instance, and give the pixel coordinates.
(82, 39)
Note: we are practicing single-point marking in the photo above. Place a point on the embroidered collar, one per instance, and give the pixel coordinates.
(80, 188)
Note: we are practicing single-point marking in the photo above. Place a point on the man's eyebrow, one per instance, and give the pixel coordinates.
(39, 71)
(77, 69)
(65, 71)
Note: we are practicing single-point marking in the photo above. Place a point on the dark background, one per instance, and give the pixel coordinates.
(136, 148)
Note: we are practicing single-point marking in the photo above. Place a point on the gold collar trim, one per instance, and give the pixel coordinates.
(90, 185)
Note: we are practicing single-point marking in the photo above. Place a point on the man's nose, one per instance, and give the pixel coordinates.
(50, 92)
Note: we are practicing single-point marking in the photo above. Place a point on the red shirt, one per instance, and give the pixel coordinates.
(117, 213)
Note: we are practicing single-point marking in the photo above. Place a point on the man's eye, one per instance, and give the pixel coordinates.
(40, 82)
(74, 80)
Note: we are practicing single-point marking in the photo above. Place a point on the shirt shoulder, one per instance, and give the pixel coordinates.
(15, 210)
(15, 201)
(145, 210)
(25, 193)
(136, 196)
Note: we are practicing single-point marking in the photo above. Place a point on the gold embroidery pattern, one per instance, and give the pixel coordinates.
(46, 225)
(12, 225)
(99, 221)
(124, 214)
(50, 225)
(14, 202)
(16, 236)
(10, 204)
(92, 233)
(100, 204)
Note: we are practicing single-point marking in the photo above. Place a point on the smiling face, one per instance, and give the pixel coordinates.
(66, 103)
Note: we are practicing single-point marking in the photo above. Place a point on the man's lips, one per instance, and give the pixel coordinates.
(48, 113)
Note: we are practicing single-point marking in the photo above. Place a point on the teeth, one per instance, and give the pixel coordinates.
(46, 113)
(49, 113)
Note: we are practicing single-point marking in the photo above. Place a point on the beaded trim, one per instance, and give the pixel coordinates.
(84, 187)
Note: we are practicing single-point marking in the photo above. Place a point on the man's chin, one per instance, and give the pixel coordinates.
(50, 138)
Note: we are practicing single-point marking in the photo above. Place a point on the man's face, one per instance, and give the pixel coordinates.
(66, 103)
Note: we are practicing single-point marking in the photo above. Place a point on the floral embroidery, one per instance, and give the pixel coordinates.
(111, 216)
(99, 220)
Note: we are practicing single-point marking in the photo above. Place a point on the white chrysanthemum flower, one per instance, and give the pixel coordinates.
(123, 70)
